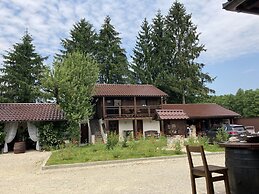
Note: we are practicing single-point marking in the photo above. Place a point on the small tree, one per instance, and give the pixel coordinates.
(74, 80)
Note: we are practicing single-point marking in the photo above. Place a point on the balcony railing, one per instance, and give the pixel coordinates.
(129, 111)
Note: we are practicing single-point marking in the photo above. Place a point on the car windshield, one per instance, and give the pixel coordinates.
(238, 128)
(235, 128)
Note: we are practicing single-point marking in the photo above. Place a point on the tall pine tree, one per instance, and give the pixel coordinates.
(142, 56)
(21, 72)
(82, 39)
(166, 55)
(183, 49)
(111, 57)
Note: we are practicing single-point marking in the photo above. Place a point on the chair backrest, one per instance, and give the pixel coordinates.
(197, 149)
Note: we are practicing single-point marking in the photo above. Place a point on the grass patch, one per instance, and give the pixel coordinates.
(204, 141)
(98, 152)
(125, 150)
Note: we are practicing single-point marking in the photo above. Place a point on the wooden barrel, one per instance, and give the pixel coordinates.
(243, 169)
(19, 147)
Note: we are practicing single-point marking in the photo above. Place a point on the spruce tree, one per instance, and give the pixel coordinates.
(158, 47)
(142, 56)
(82, 39)
(111, 57)
(183, 48)
(21, 72)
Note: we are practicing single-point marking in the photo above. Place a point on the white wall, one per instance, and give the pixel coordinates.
(151, 125)
(125, 125)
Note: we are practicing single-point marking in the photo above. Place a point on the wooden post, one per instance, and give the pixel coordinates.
(136, 128)
(162, 126)
(161, 101)
(135, 106)
(104, 107)
(119, 111)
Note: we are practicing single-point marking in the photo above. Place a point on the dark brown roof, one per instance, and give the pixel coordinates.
(165, 114)
(30, 112)
(203, 110)
(246, 6)
(127, 90)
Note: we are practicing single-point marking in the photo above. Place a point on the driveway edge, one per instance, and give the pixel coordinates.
(113, 162)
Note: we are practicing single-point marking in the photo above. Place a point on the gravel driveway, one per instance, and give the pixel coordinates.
(21, 173)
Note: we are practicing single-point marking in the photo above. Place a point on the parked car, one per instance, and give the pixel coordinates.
(211, 134)
(250, 129)
(234, 129)
(231, 129)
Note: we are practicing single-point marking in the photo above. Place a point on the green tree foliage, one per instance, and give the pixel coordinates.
(21, 72)
(168, 53)
(142, 56)
(244, 102)
(110, 56)
(82, 39)
(74, 78)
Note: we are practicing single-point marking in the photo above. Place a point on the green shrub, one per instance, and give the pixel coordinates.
(124, 143)
(177, 147)
(222, 135)
(191, 141)
(203, 140)
(112, 140)
(2, 134)
(50, 136)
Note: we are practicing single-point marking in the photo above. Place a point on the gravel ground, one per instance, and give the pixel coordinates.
(21, 173)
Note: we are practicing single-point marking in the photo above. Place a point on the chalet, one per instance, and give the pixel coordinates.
(127, 108)
(137, 110)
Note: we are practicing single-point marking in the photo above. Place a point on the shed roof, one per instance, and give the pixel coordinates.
(127, 90)
(30, 112)
(203, 110)
(166, 114)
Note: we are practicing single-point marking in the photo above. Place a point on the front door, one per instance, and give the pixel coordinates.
(139, 127)
(84, 133)
(114, 126)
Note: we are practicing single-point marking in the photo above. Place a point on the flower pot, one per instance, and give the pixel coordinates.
(19, 147)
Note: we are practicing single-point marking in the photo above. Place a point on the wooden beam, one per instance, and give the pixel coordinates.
(104, 112)
(135, 106)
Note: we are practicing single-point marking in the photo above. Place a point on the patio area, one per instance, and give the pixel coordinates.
(21, 173)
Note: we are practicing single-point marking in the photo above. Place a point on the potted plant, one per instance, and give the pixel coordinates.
(20, 144)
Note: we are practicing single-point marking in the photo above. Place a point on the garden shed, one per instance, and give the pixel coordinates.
(20, 119)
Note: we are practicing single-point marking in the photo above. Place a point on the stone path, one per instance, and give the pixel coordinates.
(21, 173)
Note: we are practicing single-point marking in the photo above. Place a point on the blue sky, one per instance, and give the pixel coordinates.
(231, 39)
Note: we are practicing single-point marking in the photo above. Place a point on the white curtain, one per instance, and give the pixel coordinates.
(33, 133)
(10, 130)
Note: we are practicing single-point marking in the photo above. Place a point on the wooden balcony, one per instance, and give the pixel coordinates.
(130, 111)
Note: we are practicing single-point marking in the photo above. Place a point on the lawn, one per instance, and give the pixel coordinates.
(124, 150)
(99, 152)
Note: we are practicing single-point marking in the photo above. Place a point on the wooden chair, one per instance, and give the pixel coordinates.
(206, 171)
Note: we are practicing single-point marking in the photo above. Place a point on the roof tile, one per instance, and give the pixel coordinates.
(203, 110)
(127, 90)
(165, 114)
(30, 112)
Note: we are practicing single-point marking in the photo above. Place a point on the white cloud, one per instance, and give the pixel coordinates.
(225, 34)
